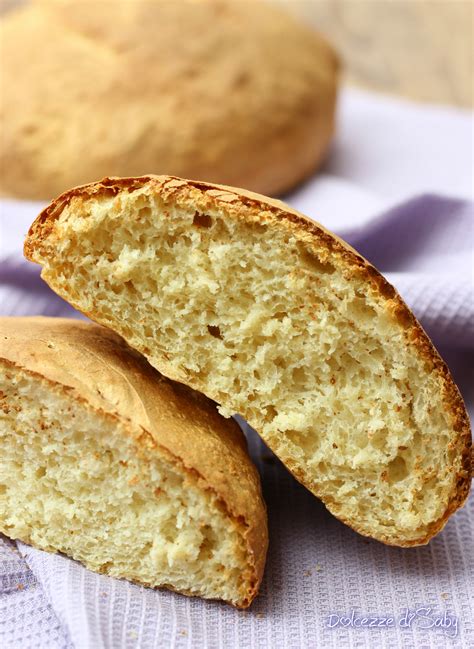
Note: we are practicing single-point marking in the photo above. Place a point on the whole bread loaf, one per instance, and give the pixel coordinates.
(275, 318)
(107, 461)
(230, 91)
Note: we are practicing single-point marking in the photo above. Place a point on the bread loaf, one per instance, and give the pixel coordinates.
(224, 90)
(275, 318)
(105, 460)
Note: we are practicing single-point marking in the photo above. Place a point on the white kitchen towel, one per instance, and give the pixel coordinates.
(321, 578)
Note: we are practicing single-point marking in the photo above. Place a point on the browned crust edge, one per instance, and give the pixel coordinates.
(256, 555)
(415, 335)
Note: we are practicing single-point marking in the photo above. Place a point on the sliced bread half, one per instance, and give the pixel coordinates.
(105, 460)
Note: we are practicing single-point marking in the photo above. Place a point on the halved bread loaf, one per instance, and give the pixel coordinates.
(133, 475)
(277, 319)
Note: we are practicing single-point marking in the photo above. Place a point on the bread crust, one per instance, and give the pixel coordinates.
(77, 357)
(218, 89)
(200, 194)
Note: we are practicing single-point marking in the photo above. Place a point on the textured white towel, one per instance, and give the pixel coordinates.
(319, 573)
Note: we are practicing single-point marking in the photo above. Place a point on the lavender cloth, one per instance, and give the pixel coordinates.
(317, 567)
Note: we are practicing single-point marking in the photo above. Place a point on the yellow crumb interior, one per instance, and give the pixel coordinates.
(276, 330)
(75, 481)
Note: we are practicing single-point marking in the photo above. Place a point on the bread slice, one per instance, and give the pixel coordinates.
(277, 319)
(116, 466)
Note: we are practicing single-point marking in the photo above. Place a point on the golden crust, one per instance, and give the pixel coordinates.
(79, 357)
(219, 89)
(204, 195)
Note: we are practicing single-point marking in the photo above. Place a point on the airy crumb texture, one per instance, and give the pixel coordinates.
(264, 311)
(80, 476)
